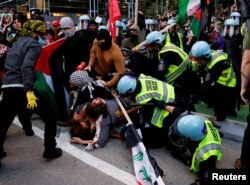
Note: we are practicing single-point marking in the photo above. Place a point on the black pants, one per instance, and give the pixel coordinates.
(23, 116)
(222, 99)
(14, 102)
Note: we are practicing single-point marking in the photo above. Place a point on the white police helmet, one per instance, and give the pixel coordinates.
(154, 36)
(185, 128)
(126, 85)
(236, 16)
(201, 50)
(83, 22)
(230, 27)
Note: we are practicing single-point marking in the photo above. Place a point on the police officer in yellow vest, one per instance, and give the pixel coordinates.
(172, 36)
(178, 71)
(143, 90)
(219, 79)
(174, 68)
(174, 60)
(197, 143)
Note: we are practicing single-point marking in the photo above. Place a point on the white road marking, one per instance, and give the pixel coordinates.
(104, 167)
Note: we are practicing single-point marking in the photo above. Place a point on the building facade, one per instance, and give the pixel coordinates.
(78, 7)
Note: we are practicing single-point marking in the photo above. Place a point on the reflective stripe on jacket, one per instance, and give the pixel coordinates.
(152, 88)
(180, 36)
(227, 77)
(174, 71)
(209, 146)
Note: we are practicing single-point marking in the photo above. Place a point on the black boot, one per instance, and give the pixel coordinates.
(52, 153)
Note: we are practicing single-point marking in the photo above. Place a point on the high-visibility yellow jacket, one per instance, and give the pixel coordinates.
(227, 77)
(152, 88)
(209, 146)
(174, 71)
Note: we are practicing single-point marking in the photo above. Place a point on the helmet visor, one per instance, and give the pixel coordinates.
(175, 138)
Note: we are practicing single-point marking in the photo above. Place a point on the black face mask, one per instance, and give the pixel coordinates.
(92, 34)
(133, 37)
(106, 45)
(104, 34)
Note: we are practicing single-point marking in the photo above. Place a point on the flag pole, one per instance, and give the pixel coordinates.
(140, 148)
(136, 11)
(123, 109)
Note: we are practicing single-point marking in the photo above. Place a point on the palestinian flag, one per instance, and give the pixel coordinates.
(195, 24)
(187, 8)
(146, 169)
(201, 18)
(44, 84)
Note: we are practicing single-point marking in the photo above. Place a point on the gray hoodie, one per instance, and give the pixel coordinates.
(127, 42)
(20, 62)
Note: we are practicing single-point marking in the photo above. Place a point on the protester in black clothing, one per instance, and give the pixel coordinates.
(65, 59)
(22, 116)
(18, 20)
(6, 43)
(18, 91)
(83, 89)
(92, 32)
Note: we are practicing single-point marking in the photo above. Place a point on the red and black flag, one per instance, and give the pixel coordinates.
(202, 18)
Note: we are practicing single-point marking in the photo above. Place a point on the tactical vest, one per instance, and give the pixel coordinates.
(227, 77)
(168, 40)
(209, 146)
(174, 71)
(161, 91)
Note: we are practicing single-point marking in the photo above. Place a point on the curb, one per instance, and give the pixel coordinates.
(231, 129)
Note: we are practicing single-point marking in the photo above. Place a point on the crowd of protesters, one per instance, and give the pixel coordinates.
(170, 69)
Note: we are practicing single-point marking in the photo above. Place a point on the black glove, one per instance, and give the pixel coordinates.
(160, 104)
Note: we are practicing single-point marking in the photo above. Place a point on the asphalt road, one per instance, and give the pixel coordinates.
(110, 165)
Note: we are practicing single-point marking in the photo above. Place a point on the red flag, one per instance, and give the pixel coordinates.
(114, 15)
(42, 64)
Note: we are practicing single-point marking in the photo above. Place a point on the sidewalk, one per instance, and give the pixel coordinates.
(233, 127)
